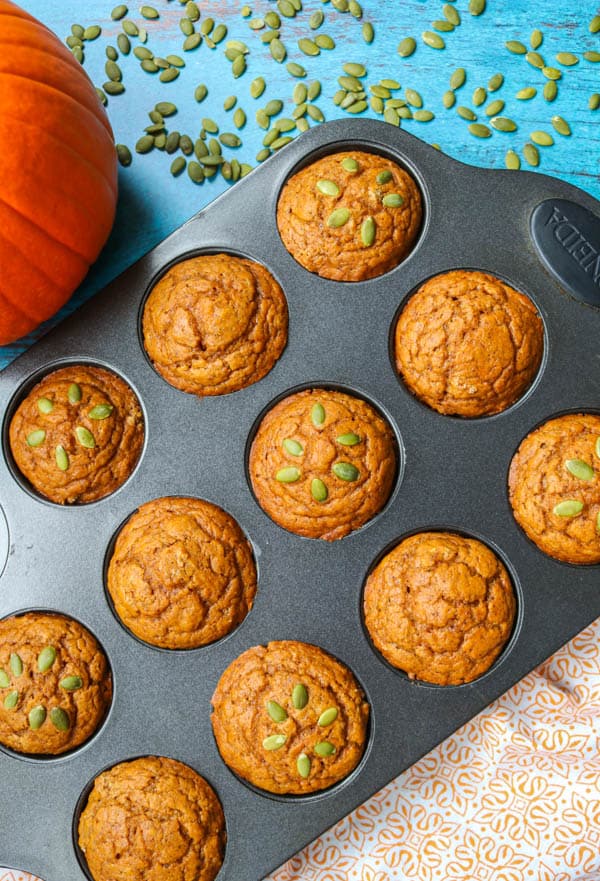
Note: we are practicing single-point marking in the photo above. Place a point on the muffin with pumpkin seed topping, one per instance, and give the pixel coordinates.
(78, 434)
(290, 718)
(322, 463)
(350, 216)
(55, 683)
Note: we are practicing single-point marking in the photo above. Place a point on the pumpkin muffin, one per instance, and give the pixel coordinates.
(55, 683)
(554, 488)
(215, 324)
(350, 216)
(182, 573)
(322, 463)
(152, 818)
(289, 718)
(78, 434)
(467, 344)
(440, 607)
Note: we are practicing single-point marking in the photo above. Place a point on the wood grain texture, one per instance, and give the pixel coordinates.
(152, 203)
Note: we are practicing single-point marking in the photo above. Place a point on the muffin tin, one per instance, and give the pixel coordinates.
(453, 476)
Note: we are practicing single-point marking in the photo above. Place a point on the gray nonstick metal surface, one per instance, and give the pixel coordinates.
(453, 476)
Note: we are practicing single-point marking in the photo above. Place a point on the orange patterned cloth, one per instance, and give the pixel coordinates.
(514, 795)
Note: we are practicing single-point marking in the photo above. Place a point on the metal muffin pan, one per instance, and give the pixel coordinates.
(453, 475)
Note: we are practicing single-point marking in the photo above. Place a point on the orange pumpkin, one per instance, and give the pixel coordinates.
(58, 173)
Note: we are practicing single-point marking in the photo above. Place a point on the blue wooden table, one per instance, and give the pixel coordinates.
(153, 203)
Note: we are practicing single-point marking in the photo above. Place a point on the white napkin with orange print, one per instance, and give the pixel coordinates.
(514, 795)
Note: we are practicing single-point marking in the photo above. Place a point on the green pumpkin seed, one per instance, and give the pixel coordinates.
(324, 749)
(327, 717)
(37, 717)
(228, 139)
(477, 7)
(316, 19)
(318, 490)
(512, 161)
(186, 145)
(113, 71)
(466, 113)
(11, 699)
(300, 94)
(74, 393)
(36, 438)
(75, 43)
(238, 67)
(479, 130)
(448, 99)
(124, 44)
(111, 53)
(542, 139)
(354, 69)
(423, 115)
(532, 155)
(594, 101)
(434, 41)
(324, 41)
(148, 12)
(59, 719)
(552, 73)
(123, 155)
(4, 680)
(92, 33)
(101, 411)
(281, 142)
(580, 469)
(567, 59)
(561, 126)
(276, 711)
(380, 91)
(186, 26)
(406, 47)
(278, 50)
(274, 741)
(299, 696)
(317, 414)
(160, 141)
(144, 144)
(536, 39)
(149, 65)
(262, 119)
(308, 46)
(458, 78)
(295, 69)
(168, 75)
(368, 231)
(503, 124)
(239, 118)
(350, 439)
(77, 30)
(273, 107)
(535, 59)
(292, 447)
(346, 471)
(172, 142)
(495, 82)
(516, 47)
(391, 115)
(393, 200)
(594, 25)
(113, 88)
(219, 33)
(16, 664)
(315, 113)
(328, 188)
(71, 683)
(550, 90)
(368, 33)
(302, 125)
(130, 28)
(338, 218)
(288, 475)
(46, 658)
(191, 42)
(526, 94)
(303, 765)
(85, 437)
(286, 8)
(195, 172)
(192, 11)
(355, 9)
(451, 14)
(62, 458)
(384, 177)
(494, 107)
(272, 20)
(479, 96)
(568, 508)
(413, 97)
(119, 12)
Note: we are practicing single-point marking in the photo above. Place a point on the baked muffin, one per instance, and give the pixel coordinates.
(152, 818)
(440, 607)
(78, 434)
(289, 718)
(55, 683)
(215, 324)
(467, 344)
(554, 488)
(322, 463)
(350, 216)
(182, 573)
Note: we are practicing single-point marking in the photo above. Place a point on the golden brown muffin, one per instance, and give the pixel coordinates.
(440, 607)
(322, 463)
(182, 573)
(78, 434)
(466, 344)
(153, 819)
(554, 488)
(55, 683)
(350, 216)
(215, 324)
(289, 718)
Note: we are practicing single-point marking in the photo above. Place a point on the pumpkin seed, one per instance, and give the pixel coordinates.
(338, 218)
(552, 73)
(561, 126)
(594, 101)
(191, 42)
(286, 8)
(318, 490)
(368, 33)
(101, 411)
(16, 664)
(512, 161)
(59, 719)
(85, 437)
(74, 393)
(74, 43)
(295, 69)
(413, 97)
(92, 32)
(394, 85)
(327, 717)
(355, 9)
(293, 447)
(594, 25)
(119, 12)
(434, 41)
(192, 11)
(423, 115)
(186, 27)
(495, 82)
(477, 7)
(380, 92)
(172, 142)
(324, 749)
(328, 188)
(274, 741)
(393, 200)
(448, 99)
(384, 177)
(346, 471)
(288, 475)
(4, 680)
(368, 231)
(479, 96)
(494, 107)
(532, 155)
(526, 94)
(567, 59)
(451, 14)
(186, 145)
(308, 46)
(568, 508)
(148, 12)
(113, 71)
(130, 28)
(391, 115)
(535, 59)
(62, 458)
(354, 69)
(219, 33)
(303, 765)
(71, 683)
(316, 19)
(503, 124)
(37, 717)
(46, 658)
(11, 699)
(350, 439)
(542, 139)
(300, 94)
(441, 25)
(278, 50)
(516, 47)
(299, 696)
(406, 47)
(111, 53)
(580, 469)
(239, 118)
(466, 113)
(195, 172)
(228, 139)
(458, 78)
(144, 144)
(550, 90)
(302, 125)
(536, 39)
(276, 711)
(77, 30)
(479, 130)
(113, 88)
(201, 92)
(78, 54)
(36, 438)
(168, 75)
(317, 414)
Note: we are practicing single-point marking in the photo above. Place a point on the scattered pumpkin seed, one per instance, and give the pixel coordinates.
(354, 69)
(535, 59)
(316, 19)
(274, 741)
(318, 490)
(423, 115)
(45, 405)
(293, 447)
(11, 699)
(466, 113)
(542, 139)
(62, 458)
(168, 75)
(552, 73)
(494, 107)
(594, 101)
(458, 78)
(503, 124)
(59, 719)
(71, 683)
(495, 82)
(393, 200)
(219, 33)
(479, 96)
(413, 97)
(195, 172)
(568, 508)
(288, 475)
(74, 393)
(278, 50)
(101, 411)
(512, 161)
(346, 471)
(526, 94)
(516, 47)
(111, 53)
(276, 711)
(239, 118)
(36, 438)
(85, 437)
(561, 126)
(92, 32)
(406, 47)
(327, 717)
(37, 717)
(144, 144)
(4, 680)
(451, 14)
(479, 130)
(317, 414)
(328, 188)
(448, 99)
(580, 469)
(148, 12)
(308, 46)
(368, 231)
(299, 696)
(368, 33)
(200, 92)
(46, 658)
(477, 7)
(532, 155)
(567, 59)
(594, 25)
(536, 39)
(324, 749)
(119, 12)
(295, 69)
(113, 88)
(130, 28)
(16, 664)
(338, 218)
(434, 41)
(550, 90)
(303, 765)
